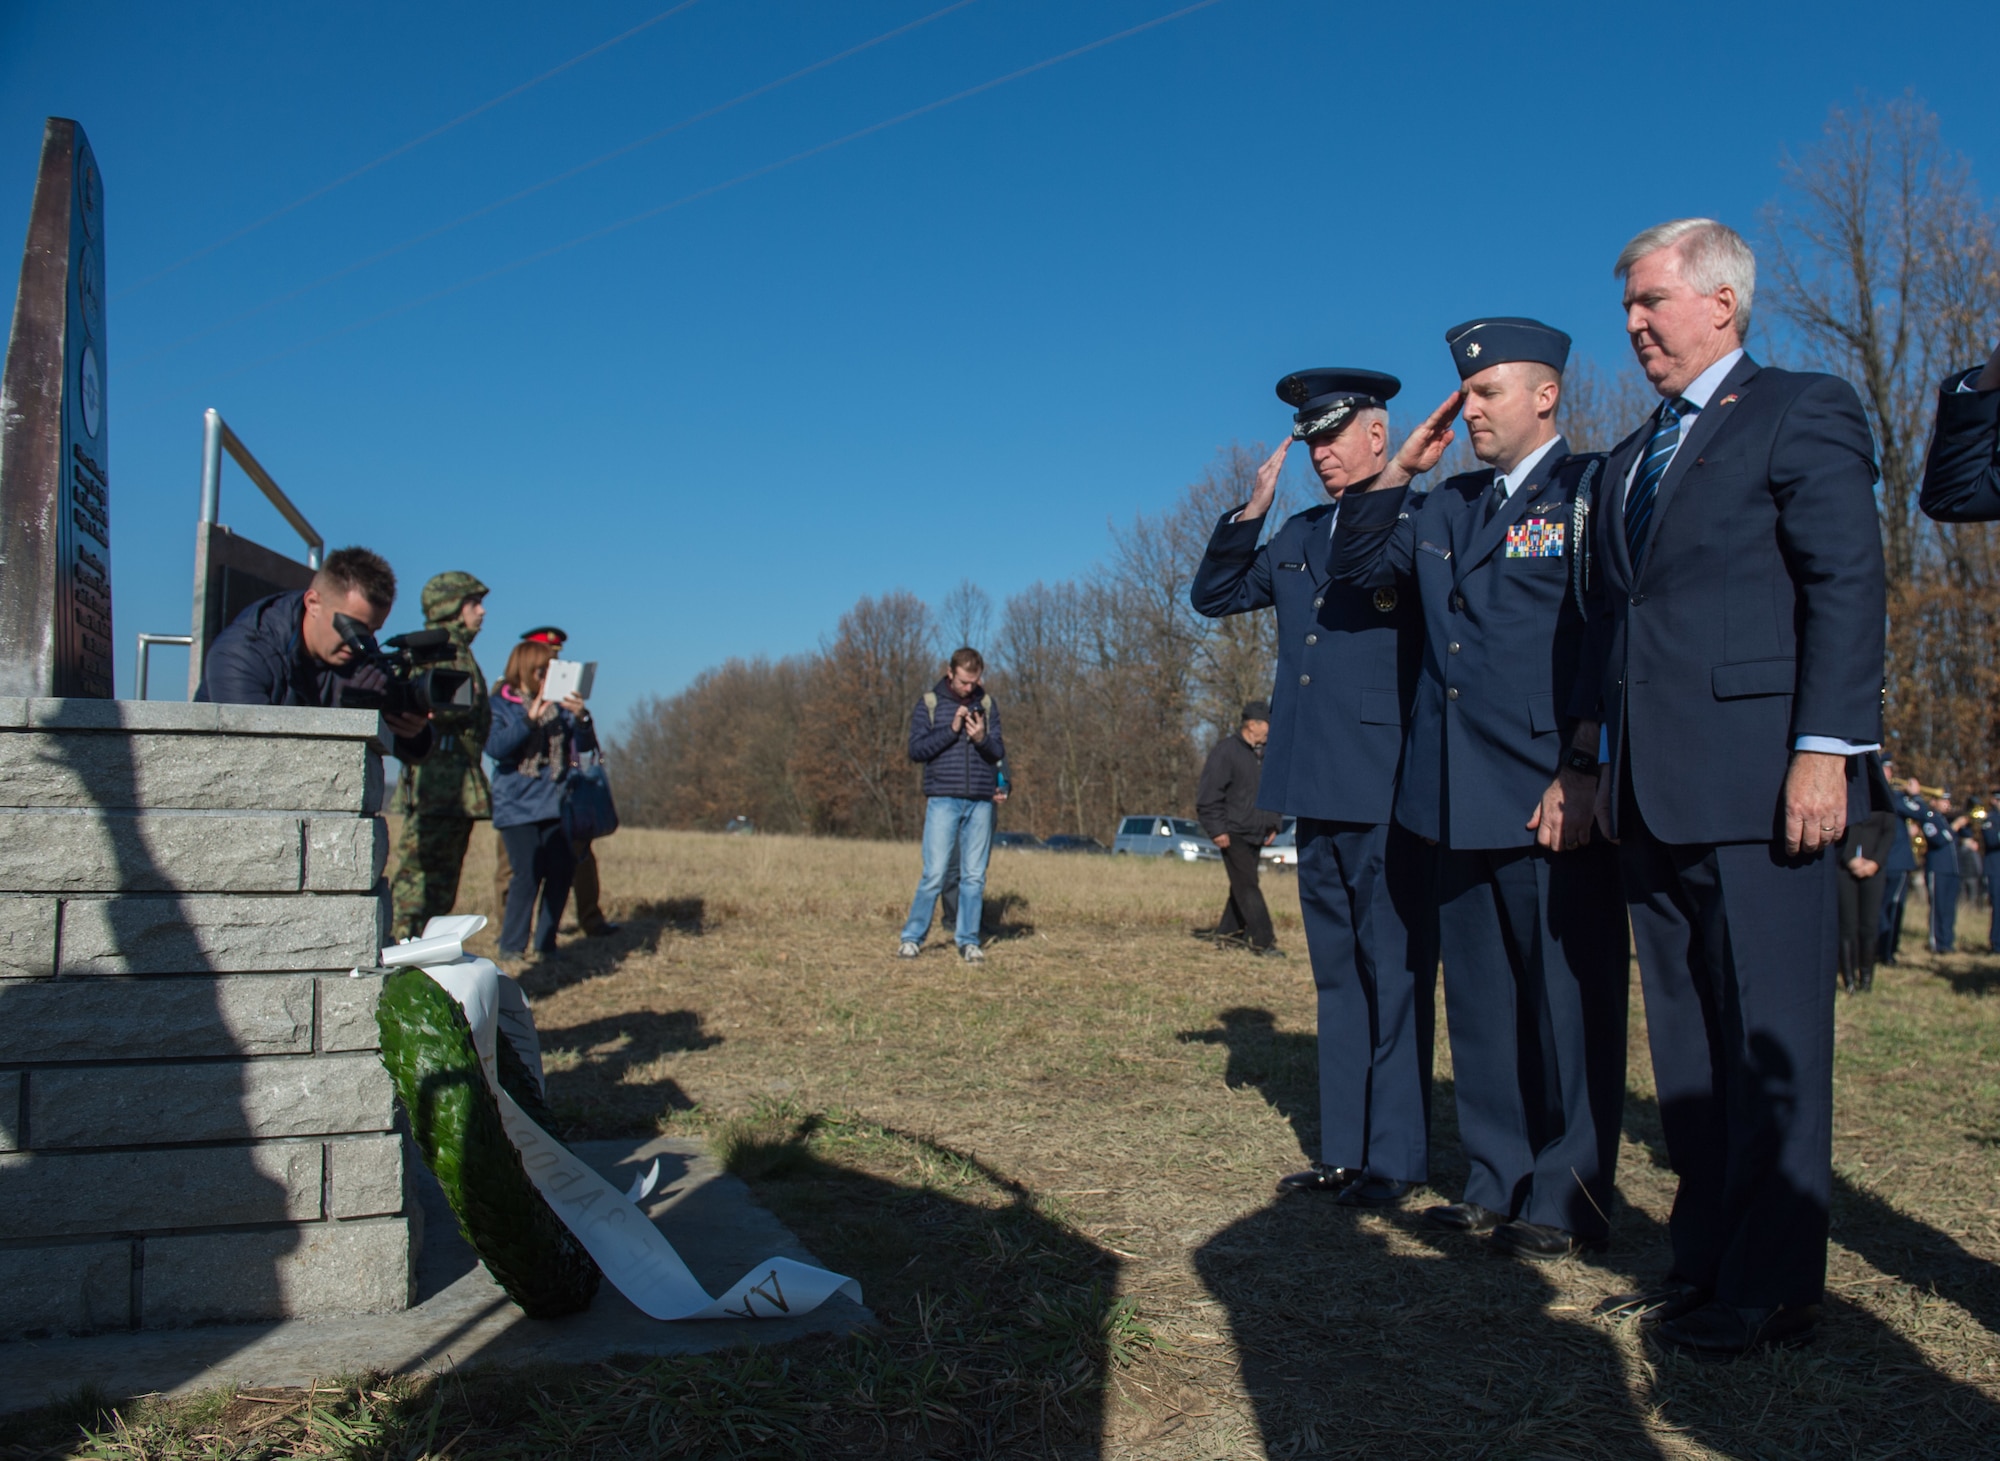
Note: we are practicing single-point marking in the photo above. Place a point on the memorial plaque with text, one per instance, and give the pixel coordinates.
(55, 487)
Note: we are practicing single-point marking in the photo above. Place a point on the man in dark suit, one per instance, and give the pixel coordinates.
(1962, 472)
(1739, 681)
(1530, 919)
(1346, 669)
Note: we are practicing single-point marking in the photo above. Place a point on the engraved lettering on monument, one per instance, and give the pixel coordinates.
(55, 484)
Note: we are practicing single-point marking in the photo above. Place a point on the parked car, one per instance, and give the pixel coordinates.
(1068, 842)
(1025, 841)
(739, 826)
(1165, 837)
(1282, 851)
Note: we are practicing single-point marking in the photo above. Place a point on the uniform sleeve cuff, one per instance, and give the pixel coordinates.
(1831, 746)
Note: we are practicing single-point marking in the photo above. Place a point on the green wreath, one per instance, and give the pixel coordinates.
(427, 1047)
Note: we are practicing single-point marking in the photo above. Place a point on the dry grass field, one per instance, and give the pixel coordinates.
(1053, 1176)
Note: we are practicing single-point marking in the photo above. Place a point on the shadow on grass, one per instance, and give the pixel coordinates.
(598, 1082)
(683, 915)
(1002, 916)
(998, 1333)
(1373, 1334)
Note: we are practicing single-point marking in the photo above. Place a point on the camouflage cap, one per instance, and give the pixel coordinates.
(446, 594)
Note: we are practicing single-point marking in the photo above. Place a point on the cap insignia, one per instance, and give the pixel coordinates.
(1472, 351)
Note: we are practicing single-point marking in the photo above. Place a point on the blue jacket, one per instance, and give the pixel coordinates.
(1347, 665)
(954, 764)
(531, 763)
(1756, 616)
(259, 659)
(1503, 636)
(1962, 469)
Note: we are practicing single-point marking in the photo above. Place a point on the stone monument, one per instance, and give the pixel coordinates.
(55, 513)
(194, 1124)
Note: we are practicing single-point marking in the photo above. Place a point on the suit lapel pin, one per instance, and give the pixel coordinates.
(1726, 401)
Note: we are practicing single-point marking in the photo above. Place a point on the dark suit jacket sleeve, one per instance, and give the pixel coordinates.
(1376, 541)
(1823, 482)
(1962, 473)
(1235, 574)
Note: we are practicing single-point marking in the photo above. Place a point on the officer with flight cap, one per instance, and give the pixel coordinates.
(1347, 665)
(1530, 916)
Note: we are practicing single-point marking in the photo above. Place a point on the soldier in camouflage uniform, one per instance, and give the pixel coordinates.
(441, 798)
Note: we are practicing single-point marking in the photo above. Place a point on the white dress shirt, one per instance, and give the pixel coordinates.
(1508, 481)
(1698, 394)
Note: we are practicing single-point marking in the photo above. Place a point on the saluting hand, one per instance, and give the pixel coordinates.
(1424, 448)
(1266, 490)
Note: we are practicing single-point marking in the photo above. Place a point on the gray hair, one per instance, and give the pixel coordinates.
(1712, 255)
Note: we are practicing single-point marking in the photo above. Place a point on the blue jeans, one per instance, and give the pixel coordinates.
(967, 824)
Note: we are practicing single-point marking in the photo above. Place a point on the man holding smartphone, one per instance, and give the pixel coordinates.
(955, 737)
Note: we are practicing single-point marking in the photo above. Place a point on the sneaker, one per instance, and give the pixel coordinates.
(908, 950)
(972, 953)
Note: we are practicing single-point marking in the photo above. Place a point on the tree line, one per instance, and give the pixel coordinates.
(1879, 261)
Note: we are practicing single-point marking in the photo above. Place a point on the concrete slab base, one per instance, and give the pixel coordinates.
(461, 1317)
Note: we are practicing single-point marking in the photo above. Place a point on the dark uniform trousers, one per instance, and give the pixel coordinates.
(1941, 879)
(1739, 1014)
(1364, 892)
(1536, 992)
(1245, 913)
(1535, 963)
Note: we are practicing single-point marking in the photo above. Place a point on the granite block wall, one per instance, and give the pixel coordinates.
(194, 1125)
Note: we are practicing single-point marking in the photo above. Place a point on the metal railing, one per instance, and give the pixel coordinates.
(216, 438)
(146, 643)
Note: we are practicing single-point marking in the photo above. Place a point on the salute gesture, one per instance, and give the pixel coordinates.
(1425, 446)
(1266, 490)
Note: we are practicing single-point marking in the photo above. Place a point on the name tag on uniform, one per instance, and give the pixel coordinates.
(1537, 537)
(1294, 567)
(1434, 548)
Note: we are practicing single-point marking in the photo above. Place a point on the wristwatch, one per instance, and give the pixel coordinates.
(1579, 760)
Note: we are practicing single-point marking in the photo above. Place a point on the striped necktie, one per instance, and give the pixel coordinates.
(1646, 486)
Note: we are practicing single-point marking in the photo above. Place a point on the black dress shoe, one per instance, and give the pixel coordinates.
(1321, 1178)
(1653, 1306)
(1719, 1331)
(1464, 1217)
(1539, 1240)
(1374, 1192)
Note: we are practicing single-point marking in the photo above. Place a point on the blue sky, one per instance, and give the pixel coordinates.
(958, 346)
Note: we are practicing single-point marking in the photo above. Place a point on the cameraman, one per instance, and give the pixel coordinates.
(286, 650)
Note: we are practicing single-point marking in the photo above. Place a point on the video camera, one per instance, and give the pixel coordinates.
(414, 683)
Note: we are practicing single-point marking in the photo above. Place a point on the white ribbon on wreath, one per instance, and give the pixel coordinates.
(634, 1254)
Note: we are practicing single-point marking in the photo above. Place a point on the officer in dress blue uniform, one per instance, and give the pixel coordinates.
(1989, 858)
(1531, 919)
(1347, 665)
(1940, 829)
(1902, 800)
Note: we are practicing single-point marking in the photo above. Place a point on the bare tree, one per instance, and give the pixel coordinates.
(852, 756)
(1881, 264)
(1865, 258)
(966, 615)
(1599, 407)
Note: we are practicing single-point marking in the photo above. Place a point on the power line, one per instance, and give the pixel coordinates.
(683, 201)
(411, 145)
(562, 177)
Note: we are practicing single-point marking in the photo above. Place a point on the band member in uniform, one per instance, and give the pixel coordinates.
(1530, 918)
(1741, 680)
(1347, 663)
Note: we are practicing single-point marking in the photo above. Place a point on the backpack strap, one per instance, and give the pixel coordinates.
(930, 704)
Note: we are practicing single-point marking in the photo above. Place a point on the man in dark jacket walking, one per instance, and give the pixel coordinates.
(1227, 805)
(955, 737)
